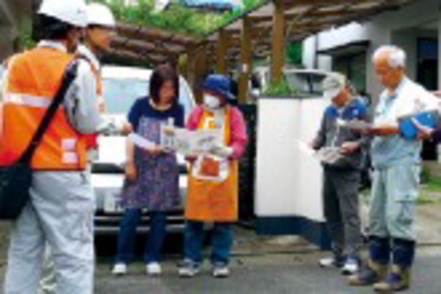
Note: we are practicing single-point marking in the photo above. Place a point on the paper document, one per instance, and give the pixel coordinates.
(329, 155)
(354, 124)
(305, 148)
(188, 142)
(141, 141)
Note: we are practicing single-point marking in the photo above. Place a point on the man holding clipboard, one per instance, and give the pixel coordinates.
(395, 154)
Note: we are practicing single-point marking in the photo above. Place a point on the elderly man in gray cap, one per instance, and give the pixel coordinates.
(342, 150)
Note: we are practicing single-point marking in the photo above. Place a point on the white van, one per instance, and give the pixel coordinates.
(121, 87)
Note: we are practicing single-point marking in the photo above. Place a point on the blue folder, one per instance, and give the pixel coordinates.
(408, 129)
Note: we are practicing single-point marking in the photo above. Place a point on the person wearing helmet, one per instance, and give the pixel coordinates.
(100, 27)
(98, 34)
(61, 204)
(213, 178)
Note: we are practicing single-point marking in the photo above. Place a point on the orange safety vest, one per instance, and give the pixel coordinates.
(32, 81)
(214, 201)
(92, 139)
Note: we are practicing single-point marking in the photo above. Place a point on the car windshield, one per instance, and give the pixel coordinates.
(120, 94)
(305, 84)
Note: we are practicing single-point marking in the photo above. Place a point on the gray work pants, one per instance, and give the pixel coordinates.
(341, 210)
(59, 214)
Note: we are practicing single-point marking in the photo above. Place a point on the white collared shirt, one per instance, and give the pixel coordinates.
(86, 52)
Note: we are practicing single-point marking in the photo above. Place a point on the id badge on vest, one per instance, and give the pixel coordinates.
(208, 167)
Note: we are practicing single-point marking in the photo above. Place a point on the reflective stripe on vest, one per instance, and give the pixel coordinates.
(33, 80)
(27, 100)
(92, 139)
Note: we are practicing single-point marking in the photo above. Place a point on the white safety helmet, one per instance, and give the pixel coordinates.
(73, 12)
(100, 15)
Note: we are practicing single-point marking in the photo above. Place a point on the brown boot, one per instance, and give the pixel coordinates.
(371, 274)
(397, 280)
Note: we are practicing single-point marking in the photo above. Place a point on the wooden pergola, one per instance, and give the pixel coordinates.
(259, 33)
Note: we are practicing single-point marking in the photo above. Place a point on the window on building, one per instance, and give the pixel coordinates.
(427, 70)
(354, 67)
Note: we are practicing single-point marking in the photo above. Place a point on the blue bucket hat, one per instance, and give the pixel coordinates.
(221, 85)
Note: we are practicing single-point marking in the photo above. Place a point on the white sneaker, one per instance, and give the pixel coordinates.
(350, 267)
(331, 262)
(221, 272)
(153, 269)
(119, 269)
(188, 271)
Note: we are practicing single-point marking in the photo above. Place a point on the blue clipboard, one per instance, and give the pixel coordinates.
(408, 129)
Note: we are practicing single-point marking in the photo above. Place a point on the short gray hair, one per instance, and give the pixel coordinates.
(396, 55)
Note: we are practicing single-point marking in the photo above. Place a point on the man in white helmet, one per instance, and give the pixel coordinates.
(100, 28)
(60, 210)
(97, 37)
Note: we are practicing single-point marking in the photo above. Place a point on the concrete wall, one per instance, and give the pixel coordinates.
(393, 27)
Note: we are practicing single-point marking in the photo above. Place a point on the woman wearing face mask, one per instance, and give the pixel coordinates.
(213, 179)
(152, 175)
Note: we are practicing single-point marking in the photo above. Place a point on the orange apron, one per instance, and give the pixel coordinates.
(210, 200)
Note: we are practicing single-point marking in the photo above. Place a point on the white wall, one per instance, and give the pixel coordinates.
(386, 28)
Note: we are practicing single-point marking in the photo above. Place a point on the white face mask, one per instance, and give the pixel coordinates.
(211, 102)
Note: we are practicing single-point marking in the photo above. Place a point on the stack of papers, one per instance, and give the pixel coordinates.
(329, 155)
(141, 141)
(358, 125)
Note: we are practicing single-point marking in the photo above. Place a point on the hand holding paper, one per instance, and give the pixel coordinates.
(355, 125)
(221, 150)
(329, 155)
(141, 142)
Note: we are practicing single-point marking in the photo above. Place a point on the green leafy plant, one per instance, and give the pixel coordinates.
(24, 38)
(279, 89)
(293, 53)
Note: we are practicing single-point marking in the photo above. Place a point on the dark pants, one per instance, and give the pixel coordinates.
(222, 240)
(127, 234)
(341, 210)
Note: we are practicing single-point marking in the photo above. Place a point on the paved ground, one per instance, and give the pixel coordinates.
(293, 270)
(285, 273)
(264, 265)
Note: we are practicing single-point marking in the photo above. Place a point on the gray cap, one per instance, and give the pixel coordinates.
(332, 85)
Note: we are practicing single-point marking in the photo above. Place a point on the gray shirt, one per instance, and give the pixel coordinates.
(332, 135)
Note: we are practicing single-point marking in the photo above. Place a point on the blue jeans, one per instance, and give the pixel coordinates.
(221, 242)
(127, 234)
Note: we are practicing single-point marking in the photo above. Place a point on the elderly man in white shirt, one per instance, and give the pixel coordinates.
(397, 162)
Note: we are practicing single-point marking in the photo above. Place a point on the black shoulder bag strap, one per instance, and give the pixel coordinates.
(69, 76)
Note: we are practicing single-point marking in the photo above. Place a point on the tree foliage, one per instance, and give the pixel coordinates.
(176, 18)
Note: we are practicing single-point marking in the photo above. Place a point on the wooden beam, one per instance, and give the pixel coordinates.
(143, 47)
(152, 59)
(200, 71)
(148, 33)
(222, 52)
(278, 47)
(245, 59)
